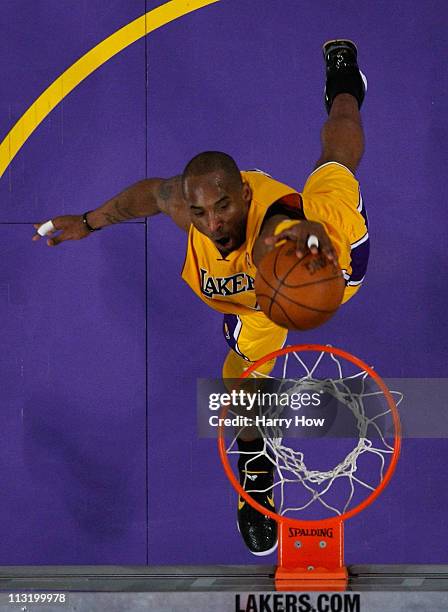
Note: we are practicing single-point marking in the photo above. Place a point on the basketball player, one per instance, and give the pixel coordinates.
(233, 219)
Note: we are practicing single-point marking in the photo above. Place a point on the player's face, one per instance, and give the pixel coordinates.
(218, 210)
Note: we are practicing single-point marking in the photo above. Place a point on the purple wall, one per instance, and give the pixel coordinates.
(100, 461)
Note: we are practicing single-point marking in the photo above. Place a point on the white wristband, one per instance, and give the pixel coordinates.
(312, 241)
(46, 228)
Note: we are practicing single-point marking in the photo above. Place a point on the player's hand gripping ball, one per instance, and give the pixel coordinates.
(298, 292)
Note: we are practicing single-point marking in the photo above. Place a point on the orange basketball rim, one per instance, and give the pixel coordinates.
(318, 562)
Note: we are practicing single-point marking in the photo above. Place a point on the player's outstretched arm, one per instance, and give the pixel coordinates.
(143, 199)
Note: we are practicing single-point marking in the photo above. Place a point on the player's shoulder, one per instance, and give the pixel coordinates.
(264, 183)
(257, 175)
(257, 171)
(266, 190)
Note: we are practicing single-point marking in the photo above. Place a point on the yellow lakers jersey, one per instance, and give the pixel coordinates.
(330, 196)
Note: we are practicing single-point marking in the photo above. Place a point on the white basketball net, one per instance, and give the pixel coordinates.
(290, 464)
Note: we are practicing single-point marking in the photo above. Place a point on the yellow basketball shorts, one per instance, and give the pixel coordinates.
(250, 337)
(332, 196)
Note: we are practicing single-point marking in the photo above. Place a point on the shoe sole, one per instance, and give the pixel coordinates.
(262, 553)
(338, 41)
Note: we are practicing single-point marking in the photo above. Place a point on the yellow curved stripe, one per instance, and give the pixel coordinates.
(88, 63)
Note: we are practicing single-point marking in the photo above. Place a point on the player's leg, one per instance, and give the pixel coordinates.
(342, 135)
(235, 365)
(332, 195)
(251, 337)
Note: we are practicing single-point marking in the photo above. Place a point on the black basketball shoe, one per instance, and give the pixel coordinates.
(259, 532)
(343, 73)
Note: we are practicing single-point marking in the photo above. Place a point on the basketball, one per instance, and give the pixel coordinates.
(298, 293)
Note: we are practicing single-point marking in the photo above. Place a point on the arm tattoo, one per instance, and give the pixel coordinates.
(167, 188)
(112, 218)
(121, 213)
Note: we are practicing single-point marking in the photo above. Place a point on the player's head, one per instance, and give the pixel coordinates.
(218, 199)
